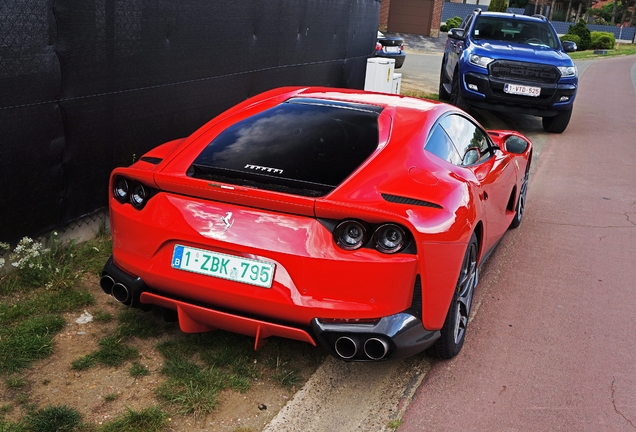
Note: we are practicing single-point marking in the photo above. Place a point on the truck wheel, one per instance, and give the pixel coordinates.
(558, 123)
(456, 97)
(443, 79)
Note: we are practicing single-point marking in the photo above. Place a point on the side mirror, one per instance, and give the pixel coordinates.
(569, 46)
(516, 145)
(470, 157)
(456, 33)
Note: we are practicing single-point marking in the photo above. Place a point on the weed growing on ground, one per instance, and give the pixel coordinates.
(394, 424)
(54, 419)
(111, 397)
(137, 370)
(151, 419)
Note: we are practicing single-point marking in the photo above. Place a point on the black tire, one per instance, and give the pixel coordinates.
(558, 123)
(521, 200)
(443, 79)
(456, 97)
(453, 332)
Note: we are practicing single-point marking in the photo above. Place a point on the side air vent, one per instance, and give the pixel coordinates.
(152, 160)
(416, 303)
(410, 201)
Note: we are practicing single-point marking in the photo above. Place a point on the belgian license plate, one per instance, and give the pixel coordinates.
(223, 266)
(522, 90)
(391, 49)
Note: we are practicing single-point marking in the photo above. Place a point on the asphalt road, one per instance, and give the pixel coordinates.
(551, 342)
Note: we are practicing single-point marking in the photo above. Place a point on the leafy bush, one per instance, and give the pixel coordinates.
(580, 29)
(572, 38)
(602, 40)
(498, 6)
(453, 22)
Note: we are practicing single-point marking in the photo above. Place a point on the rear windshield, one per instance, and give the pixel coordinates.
(509, 29)
(303, 146)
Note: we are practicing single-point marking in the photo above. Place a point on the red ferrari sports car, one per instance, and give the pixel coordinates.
(351, 219)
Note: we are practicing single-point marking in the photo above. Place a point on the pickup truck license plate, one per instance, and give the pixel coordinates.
(522, 90)
(223, 266)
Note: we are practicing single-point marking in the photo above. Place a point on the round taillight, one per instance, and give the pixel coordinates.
(120, 189)
(350, 234)
(138, 196)
(390, 238)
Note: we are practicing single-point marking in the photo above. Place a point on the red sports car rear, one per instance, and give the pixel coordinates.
(317, 214)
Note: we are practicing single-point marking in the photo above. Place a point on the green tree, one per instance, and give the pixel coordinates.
(498, 6)
(580, 29)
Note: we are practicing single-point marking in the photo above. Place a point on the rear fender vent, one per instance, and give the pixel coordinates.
(416, 302)
(410, 201)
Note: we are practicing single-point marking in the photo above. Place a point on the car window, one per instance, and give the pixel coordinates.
(302, 146)
(471, 142)
(508, 29)
(440, 144)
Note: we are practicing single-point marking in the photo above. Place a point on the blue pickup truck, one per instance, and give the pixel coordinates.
(510, 63)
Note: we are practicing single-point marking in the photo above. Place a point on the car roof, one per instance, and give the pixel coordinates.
(383, 100)
(512, 15)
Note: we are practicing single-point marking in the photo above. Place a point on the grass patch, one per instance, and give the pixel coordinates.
(9, 426)
(137, 370)
(151, 419)
(113, 352)
(30, 340)
(54, 419)
(102, 316)
(15, 382)
(199, 366)
(5, 409)
(394, 424)
(623, 49)
(134, 322)
(420, 94)
(111, 397)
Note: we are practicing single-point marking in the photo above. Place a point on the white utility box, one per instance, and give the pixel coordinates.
(397, 83)
(379, 76)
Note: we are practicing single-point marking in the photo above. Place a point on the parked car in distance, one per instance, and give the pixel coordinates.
(390, 47)
(510, 63)
(339, 217)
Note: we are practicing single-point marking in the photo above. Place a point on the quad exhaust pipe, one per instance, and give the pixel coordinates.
(124, 288)
(374, 348)
(346, 347)
(118, 290)
(121, 293)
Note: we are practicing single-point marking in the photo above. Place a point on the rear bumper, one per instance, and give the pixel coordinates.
(399, 58)
(394, 336)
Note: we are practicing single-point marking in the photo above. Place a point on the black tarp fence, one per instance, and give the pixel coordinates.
(87, 85)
